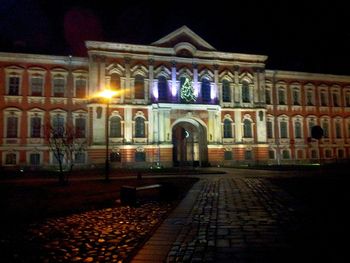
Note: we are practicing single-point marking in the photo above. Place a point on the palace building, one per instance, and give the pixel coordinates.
(179, 102)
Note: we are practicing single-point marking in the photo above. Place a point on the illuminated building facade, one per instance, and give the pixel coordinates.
(179, 102)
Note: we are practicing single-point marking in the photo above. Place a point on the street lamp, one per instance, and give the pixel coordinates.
(108, 95)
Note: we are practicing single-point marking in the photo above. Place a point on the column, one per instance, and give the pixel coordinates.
(261, 125)
(150, 84)
(127, 88)
(256, 86)
(195, 79)
(128, 124)
(93, 75)
(102, 72)
(238, 126)
(216, 96)
(237, 97)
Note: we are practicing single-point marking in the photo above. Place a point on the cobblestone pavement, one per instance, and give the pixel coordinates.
(106, 235)
(227, 219)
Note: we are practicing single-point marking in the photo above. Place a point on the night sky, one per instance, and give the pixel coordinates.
(295, 35)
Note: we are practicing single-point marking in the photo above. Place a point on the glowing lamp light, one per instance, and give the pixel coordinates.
(212, 92)
(107, 94)
(174, 89)
(155, 91)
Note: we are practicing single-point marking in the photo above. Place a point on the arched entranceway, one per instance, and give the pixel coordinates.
(189, 143)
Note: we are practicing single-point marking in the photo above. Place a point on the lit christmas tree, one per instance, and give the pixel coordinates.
(187, 92)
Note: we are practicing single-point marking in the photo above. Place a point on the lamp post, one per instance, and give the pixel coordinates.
(108, 95)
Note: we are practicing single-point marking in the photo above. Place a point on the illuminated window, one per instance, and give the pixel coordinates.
(245, 92)
(162, 88)
(205, 89)
(115, 127)
(80, 127)
(139, 127)
(12, 127)
(247, 129)
(80, 88)
(226, 91)
(115, 82)
(36, 85)
(227, 128)
(35, 127)
(139, 87)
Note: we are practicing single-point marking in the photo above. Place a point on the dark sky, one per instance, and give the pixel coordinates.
(295, 35)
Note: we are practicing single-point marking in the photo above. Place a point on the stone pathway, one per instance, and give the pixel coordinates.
(226, 219)
(107, 235)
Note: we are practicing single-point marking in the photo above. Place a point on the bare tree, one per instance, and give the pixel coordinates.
(65, 142)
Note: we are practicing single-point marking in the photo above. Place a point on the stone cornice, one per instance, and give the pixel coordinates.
(42, 59)
(295, 75)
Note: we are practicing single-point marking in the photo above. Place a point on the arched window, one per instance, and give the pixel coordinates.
(14, 85)
(139, 127)
(12, 127)
(58, 126)
(247, 129)
(139, 87)
(245, 92)
(227, 128)
(115, 82)
(269, 129)
(59, 86)
(296, 96)
(162, 88)
(36, 85)
(205, 89)
(283, 130)
(297, 130)
(226, 91)
(115, 127)
(325, 129)
(281, 97)
(35, 127)
(338, 133)
(80, 127)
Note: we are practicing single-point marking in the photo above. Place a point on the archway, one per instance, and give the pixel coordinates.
(189, 143)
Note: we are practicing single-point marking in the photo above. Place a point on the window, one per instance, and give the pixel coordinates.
(226, 91)
(247, 129)
(11, 159)
(335, 100)
(140, 156)
(115, 82)
(309, 98)
(36, 85)
(14, 85)
(12, 127)
(34, 159)
(205, 89)
(57, 157)
(139, 127)
(271, 154)
(248, 155)
(139, 87)
(58, 125)
(338, 133)
(58, 86)
(115, 157)
(162, 88)
(79, 158)
(341, 154)
(269, 129)
(115, 127)
(347, 99)
(297, 130)
(328, 153)
(35, 127)
(281, 97)
(311, 124)
(324, 101)
(245, 92)
(80, 87)
(227, 128)
(268, 96)
(296, 100)
(285, 154)
(80, 127)
(227, 155)
(325, 129)
(283, 130)
(314, 154)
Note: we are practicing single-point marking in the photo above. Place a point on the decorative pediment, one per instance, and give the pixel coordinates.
(187, 39)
